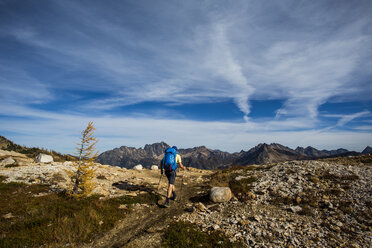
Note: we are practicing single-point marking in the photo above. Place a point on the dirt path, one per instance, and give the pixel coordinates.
(143, 226)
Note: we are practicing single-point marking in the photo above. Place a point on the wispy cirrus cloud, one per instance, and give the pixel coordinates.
(346, 118)
(17, 86)
(225, 63)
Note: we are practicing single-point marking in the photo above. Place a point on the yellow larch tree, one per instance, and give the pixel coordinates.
(83, 177)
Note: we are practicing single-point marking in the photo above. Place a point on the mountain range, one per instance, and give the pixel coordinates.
(204, 158)
(198, 157)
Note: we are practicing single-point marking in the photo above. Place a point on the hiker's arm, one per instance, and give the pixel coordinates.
(183, 167)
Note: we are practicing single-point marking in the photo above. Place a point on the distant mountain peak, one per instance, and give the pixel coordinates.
(156, 149)
(264, 153)
(367, 150)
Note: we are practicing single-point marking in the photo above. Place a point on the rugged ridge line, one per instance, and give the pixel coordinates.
(204, 158)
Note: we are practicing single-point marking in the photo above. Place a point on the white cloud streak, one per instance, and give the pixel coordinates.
(346, 118)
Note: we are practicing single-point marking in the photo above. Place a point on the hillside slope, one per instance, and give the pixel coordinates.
(31, 152)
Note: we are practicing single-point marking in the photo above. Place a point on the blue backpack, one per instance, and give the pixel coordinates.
(169, 160)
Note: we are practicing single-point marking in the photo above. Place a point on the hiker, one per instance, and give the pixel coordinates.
(169, 164)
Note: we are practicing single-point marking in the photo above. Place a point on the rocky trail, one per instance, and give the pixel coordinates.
(143, 226)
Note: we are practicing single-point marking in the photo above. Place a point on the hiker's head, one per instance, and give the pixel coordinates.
(175, 148)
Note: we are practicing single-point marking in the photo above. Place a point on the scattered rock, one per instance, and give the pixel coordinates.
(220, 194)
(295, 209)
(68, 163)
(214, 207)
(138, 167)
(254, 218)
(251, 195)
(8, 216)
(238, 178)
(41, 194)
(21, 163)
(339, 224)
(123, 206)
(100, 191)
(234, 198)
(154, 167)
(243, 223)
(132, 194)
(44, 158)
(200, 206)
(216, 227)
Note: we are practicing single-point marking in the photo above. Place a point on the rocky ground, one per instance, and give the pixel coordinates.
(296, 204)
(288, 204)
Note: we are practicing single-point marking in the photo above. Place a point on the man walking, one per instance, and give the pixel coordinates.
(169, 164)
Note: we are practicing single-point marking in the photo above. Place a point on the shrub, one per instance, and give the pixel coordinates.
(83, 177)
(11, 165)
(240, 188)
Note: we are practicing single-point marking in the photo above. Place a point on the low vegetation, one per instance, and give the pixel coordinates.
(187, 235)
(11, 165)
(351, 160)
(31, 216)
(240, 188)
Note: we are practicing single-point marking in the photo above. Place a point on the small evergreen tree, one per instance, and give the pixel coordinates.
(83, 177)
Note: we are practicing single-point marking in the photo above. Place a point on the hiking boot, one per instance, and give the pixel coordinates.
(174, 197)
(166, 204)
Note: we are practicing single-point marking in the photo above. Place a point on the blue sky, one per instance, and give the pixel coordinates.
(225, 74)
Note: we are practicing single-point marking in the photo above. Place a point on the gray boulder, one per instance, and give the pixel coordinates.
(7, 161)
(220, 194)
(44, 158)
